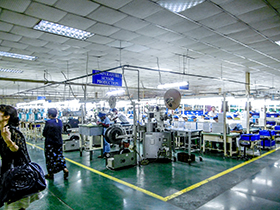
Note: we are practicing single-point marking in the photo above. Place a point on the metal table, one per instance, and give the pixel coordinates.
(218, 137)
(188, 133)
(87, 143)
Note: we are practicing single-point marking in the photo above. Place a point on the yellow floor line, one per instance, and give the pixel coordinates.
(110, 177)
(192, 187)
(167, 198)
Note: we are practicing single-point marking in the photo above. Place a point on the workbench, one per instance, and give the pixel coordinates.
(89, 134)
(190, 135)
(218, 138)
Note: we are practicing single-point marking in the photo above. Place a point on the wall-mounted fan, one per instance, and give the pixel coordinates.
(172, 99)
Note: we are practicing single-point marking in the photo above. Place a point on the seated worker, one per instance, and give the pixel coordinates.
(175, 122)
(213, 112)
(119, 115)
(216, 119)
(185, 117)
(105, 122)
(234, 127)
(193, 118)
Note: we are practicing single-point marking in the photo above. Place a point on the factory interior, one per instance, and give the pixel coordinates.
(190, 88)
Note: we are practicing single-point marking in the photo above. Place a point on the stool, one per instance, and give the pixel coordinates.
(245, 144)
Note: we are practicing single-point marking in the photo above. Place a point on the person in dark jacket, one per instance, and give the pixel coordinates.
(55, 161)
(13, 150)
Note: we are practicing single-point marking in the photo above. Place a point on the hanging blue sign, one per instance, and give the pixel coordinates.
(107, 78)
(185, 87)
(41, 97)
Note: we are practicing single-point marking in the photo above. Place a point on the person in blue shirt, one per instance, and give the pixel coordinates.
(55, 161)
(105, 123)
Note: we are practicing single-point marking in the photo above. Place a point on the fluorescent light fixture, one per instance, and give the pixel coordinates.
(10, 70)
(115, 92)
(170, 85)
(62, 30)
(19, 56)
(179, 5)
(278, 42)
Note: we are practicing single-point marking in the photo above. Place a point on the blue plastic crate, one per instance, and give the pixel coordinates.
(272, 133)
(268, 143)
(251, 137)
(264, 133)
(277, 127)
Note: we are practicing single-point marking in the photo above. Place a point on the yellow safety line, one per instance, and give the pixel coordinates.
(167, 198)
(192, 187)
(111, 177)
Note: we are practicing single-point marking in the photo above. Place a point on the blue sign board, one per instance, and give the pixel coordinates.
(107, 78)
(185, 87)
(41, 97)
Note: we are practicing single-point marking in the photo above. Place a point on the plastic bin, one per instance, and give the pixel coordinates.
(252, 137)
(268, 143)
(264, 133)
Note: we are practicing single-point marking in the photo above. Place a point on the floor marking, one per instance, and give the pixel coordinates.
(194, 186)
(110, 177)
(181, 192)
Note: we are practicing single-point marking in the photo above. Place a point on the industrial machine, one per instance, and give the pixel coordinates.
(158, 140)
(157, 145)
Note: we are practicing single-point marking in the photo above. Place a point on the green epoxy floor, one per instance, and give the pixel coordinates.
(87, 190)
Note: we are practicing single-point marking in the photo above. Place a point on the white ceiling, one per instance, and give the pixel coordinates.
(215, 39)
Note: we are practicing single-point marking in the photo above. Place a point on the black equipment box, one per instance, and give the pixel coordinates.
(184, 157)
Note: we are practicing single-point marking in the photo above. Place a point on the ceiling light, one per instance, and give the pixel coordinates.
(62, 30)
(179, 5)
(170, 85)
(278, 42)
(11, 70)
(19, 56)
(115, 92)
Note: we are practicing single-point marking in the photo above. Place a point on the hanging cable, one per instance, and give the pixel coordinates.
(160, 82)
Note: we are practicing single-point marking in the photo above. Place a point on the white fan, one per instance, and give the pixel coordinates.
(172, 99)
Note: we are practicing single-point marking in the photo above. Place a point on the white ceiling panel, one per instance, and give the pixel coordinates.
(75, 21)
(5, 26)
(201, 11)
(257, 15)
(169, 37)
(184, 26)
(9, 37)
(45, 12)
(140, 9)
(199, 33)
(103, 29)
(151, 30)
(27, 32)
(131, 23)
(100, 39)
(219, 20)
(232, 28)
(116, 4)
(14, 45)
(124, 35)
(143, 40)
(81, 7)
(242, 7)
(170, 18)
(15, 5)
(106, 15)
(48, 2)
(32, 42)
(53, 38)
(136, 48)
(17, 19)
(77, 43)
